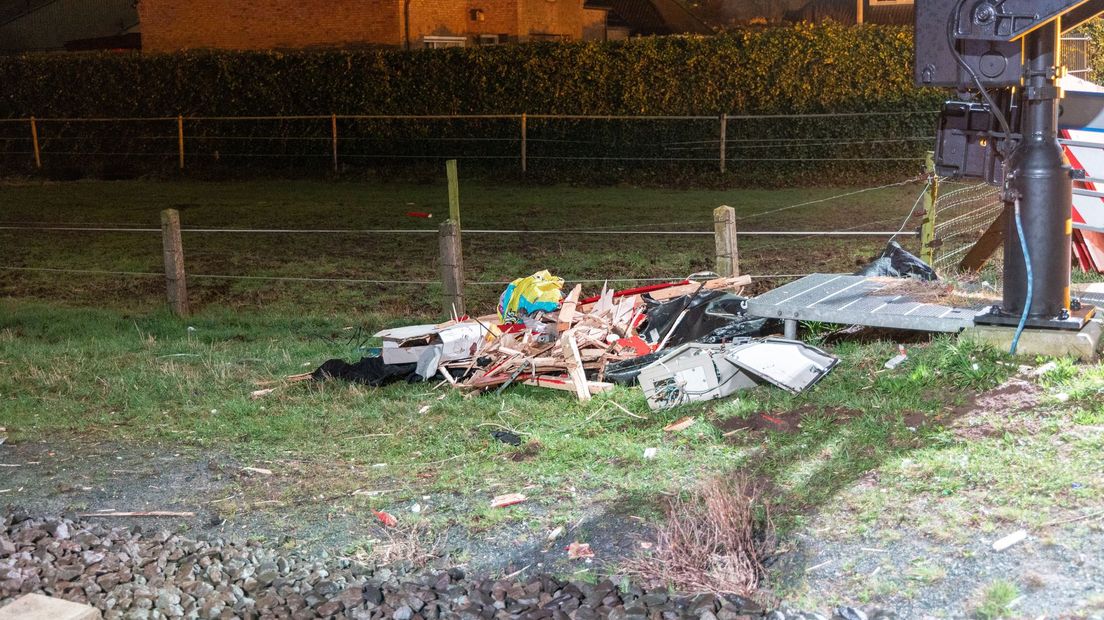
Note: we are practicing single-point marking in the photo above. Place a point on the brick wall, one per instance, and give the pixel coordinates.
(499, 17)
(436, 18)
(566, 18)
(594, 25)
(552, 17)
(169, 25)
(517, 18)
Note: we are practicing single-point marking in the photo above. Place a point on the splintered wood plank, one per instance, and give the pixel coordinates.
(566, 385)
(447, 375)
(501, 501)
(567, 310)
(680, 424)
(575, 365)
(720, 284)
(992, 239)
(623, 315)
(604, 303)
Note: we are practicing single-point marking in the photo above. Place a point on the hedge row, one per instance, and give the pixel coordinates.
(800, 69)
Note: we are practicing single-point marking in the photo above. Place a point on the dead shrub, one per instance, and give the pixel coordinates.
(714, 540)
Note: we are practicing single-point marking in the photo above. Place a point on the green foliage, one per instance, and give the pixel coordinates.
(802, 68)
(997, 600)
(798, 69)
(1094, 30)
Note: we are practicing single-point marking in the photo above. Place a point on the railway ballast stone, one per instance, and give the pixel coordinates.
(131, 574)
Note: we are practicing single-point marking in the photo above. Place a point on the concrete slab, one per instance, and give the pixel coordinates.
(39, 607)
(1083, 345)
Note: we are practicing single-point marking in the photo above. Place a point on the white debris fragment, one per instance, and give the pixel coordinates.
(1044, 369)
(898, 359)
(1011, 539)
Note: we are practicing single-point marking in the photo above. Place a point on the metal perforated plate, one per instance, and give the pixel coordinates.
(858, 300)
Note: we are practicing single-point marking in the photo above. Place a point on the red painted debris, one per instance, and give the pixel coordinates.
(385, 518)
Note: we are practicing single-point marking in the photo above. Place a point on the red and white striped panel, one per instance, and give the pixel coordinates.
(1088, 211)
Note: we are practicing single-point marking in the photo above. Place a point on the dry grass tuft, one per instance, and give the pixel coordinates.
(714, 540)
(413, 544)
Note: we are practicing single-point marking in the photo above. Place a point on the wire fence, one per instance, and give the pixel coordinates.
(862, 143)
(964, 211)
(220, 256)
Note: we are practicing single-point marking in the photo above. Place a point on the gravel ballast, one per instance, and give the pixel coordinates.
(128, 573)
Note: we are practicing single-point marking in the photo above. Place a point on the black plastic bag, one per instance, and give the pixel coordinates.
(705, 311)
(626, 372)
(896, 262)
(370, 371)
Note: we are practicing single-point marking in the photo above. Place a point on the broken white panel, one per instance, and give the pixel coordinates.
(690, 373)
(409, 345)
(789, 364)
(428, 361)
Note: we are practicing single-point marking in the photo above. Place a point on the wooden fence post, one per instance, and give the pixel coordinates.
(927, 228)
(452, 252)
(175, 282)
(333, 130)
(724, 229)
(180, 137)
(524, 139)
(452, 268)
(34, 140)
(724, 141)
(453, 191)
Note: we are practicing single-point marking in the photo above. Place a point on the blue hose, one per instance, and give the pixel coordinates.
(1030, 281)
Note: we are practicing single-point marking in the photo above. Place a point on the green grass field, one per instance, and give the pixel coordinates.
(488, 258)
(97, 359)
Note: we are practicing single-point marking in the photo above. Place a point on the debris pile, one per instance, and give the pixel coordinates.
(683, 341)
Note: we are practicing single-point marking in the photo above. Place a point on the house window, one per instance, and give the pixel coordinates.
(477, 15)
(489, 39)
(436, 42)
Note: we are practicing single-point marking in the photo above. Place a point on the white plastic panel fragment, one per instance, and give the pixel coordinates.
(692, 372)
(789, 364)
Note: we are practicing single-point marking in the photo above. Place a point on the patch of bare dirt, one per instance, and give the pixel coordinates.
(993, 413)
(527, 452)
(1014, 395)
(780, 421)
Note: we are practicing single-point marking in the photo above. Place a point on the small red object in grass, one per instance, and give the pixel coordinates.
(775, 420)
(385, 518)
(420, 214)
(578, 550)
